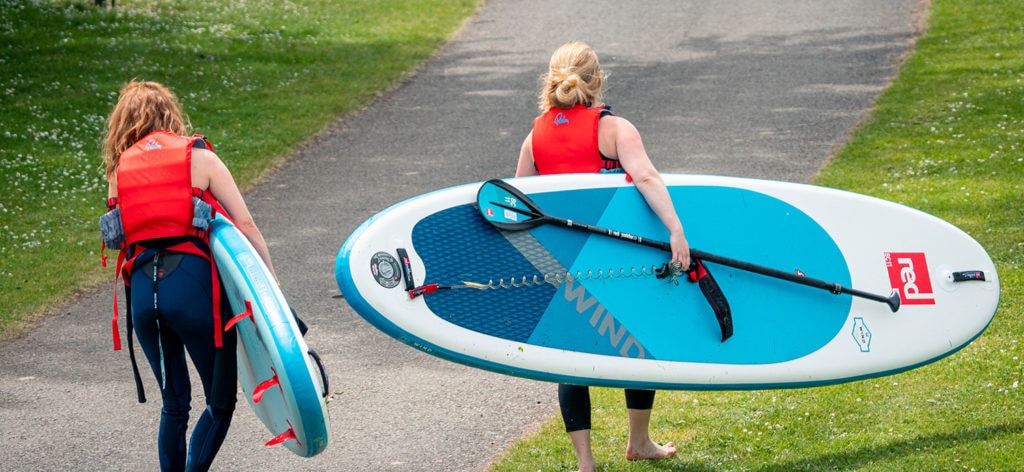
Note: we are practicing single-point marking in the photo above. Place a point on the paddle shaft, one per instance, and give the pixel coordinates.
(892, 300)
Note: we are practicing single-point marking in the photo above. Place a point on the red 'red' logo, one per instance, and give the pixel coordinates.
(908, 273)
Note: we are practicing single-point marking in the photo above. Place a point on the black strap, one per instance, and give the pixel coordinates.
(713, 293)
(700, 275)
(139, 390)
(164, 243)
(157, 273)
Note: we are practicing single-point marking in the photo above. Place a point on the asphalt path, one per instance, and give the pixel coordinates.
(756, 88)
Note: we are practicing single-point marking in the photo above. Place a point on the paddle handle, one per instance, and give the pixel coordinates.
(893, 300)
(610, 232)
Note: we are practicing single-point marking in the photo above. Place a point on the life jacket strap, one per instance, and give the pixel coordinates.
(113, 322)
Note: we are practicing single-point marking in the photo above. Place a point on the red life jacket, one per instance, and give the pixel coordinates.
(565, 141)
(154, 194)
(154, 188)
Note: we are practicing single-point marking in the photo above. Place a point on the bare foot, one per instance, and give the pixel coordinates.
(650, 451)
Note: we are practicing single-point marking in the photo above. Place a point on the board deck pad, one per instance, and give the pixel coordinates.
(570, 317)
(576, 307)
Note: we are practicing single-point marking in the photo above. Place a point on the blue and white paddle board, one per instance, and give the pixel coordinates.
(282, 379)
(555, 304)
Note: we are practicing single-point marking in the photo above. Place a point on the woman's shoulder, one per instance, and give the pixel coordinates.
(205, 162)
(203, 155)
(616, 128)
(614, 121)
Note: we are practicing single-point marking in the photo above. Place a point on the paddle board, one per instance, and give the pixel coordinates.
(282, 379)
(552, 303)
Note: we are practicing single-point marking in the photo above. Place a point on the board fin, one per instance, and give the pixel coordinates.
(257, 393)
(285, 436)
(239, 317)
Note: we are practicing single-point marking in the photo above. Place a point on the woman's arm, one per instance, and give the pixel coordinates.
(526, 166)
(618, 138)
(209, 172)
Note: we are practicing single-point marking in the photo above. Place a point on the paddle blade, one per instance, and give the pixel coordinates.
(506, 207)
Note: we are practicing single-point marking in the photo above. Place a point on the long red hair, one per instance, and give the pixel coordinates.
(142, 108)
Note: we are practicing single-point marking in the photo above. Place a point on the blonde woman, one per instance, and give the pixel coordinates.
(577, 133)
(159, 178)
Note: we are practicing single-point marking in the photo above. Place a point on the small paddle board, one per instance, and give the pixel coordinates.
(282, 379)
(557, 304)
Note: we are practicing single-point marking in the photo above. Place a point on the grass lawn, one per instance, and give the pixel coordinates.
(257, 78)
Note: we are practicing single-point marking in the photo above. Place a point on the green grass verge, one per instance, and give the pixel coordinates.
(947, 138)
(258, 78)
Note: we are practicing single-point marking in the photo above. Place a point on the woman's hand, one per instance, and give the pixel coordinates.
(680, 249)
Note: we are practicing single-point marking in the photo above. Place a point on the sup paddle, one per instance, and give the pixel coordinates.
(507, 208)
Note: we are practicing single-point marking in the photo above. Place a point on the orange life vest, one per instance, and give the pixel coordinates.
(565, 141)
(155, 198)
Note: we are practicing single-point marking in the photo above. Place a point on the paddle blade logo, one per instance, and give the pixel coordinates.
(908, 273)
(508, 212)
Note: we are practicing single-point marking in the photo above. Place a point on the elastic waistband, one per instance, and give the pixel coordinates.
(169, 261)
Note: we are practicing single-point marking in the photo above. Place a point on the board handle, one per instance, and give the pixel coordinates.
(969, 275)
(323, 372)
(403, 255)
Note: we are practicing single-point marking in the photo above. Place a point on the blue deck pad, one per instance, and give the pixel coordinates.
(640, 315)
(774, 320)
(509, 313)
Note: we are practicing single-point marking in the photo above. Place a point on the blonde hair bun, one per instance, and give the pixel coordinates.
(574, 77)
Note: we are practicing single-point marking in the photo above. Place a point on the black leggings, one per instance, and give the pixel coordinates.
(574, 401)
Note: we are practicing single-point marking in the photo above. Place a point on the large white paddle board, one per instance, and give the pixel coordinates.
(551, 301)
